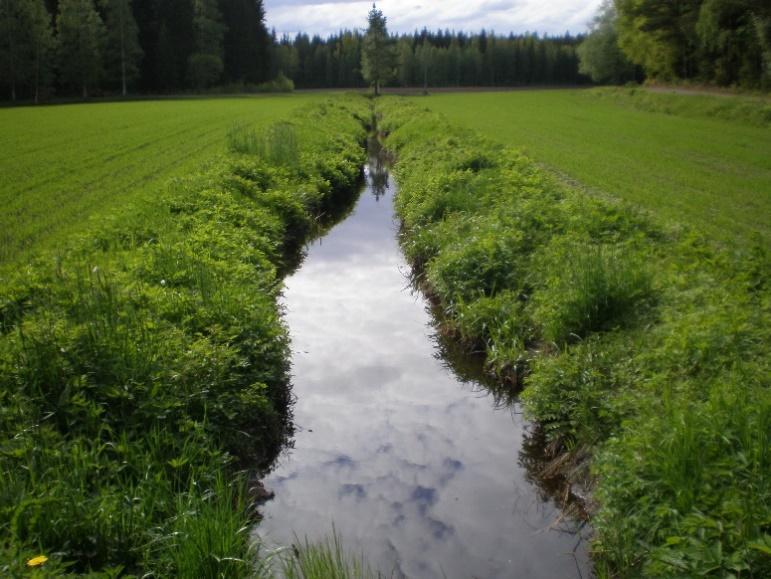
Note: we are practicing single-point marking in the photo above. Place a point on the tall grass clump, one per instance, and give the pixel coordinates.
(642, 349)
(589, 287)
(325, 560)
(277, 145)
(145, 365)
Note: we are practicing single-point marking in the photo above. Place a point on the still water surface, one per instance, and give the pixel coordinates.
(417, 469)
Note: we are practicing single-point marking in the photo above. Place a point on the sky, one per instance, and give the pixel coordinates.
(325, 17)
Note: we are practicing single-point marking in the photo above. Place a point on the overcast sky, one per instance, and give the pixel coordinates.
(325, 17)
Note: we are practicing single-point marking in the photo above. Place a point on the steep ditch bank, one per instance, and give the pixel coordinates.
(641, 349)
(146, 362)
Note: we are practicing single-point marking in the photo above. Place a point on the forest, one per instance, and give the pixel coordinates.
(716, 42)
(425, 58)
(106, 47)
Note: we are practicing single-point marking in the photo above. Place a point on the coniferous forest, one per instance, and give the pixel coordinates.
(435, 59)
(110, 47)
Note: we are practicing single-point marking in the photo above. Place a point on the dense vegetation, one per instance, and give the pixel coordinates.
(697, 159)
(433, 59)
(83, 47)
(146, 362)
(125, 152)
(725, 42)
(640, 345)
(88, 46)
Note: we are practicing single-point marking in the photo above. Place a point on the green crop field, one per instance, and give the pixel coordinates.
(50, 182)
(155, 343)
(696, 165)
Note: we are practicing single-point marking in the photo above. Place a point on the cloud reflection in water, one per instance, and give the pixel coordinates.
(413, 467)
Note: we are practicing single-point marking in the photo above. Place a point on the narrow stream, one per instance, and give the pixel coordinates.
(419, 470)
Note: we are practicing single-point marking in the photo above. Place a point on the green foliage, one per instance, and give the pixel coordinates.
(208, 536)
(204, 70)
(325, 560)
(588, 287)
(378, 54)
(26, 45)
(599, 54)
(720, 41)
(53, 187)
(669, 395)
(80, 39)
(278, 145)
(148, 359)
(573, 394)
(122, 50)
(429, 58)
(279, 84)
(703, 162)
(750, 111)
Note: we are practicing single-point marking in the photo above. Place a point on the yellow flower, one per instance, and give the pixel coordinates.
(37, 561)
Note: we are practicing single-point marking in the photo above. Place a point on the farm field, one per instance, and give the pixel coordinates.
(159, 340)
(51, 184)
(695, 166)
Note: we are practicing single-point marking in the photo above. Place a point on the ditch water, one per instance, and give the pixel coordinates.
(416, 464)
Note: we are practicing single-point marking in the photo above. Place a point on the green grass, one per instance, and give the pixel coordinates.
(62, 165)
(146, 362)
(325, 560)
(698, 160)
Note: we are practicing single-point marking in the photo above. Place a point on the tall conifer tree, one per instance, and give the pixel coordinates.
(378, 58)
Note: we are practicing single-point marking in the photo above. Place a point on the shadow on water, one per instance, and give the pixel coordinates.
(421, 462)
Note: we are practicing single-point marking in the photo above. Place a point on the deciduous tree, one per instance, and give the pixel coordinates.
(123, 53)
(600, 56)
(80, 38)
(25, 45)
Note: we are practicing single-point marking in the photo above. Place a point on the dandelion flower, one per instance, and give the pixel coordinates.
(37, 561)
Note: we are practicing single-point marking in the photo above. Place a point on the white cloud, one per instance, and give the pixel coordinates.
(325, 17)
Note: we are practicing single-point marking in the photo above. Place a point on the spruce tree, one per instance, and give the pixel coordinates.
(378, 58)
(206, 64)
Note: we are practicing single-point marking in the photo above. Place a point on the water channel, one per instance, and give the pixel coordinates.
(418, 467)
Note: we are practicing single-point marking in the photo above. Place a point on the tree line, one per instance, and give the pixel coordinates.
(151, 46)
(722, 42)
(431, 59)
(89, 47)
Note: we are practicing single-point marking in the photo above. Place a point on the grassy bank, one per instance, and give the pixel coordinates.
(700, 160)
(643, 349)
(124, 152)
(145, 363)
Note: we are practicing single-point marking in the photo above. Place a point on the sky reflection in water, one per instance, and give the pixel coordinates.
(416, 469)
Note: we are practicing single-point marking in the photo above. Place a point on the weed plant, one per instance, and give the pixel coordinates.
(642, 345)
(146, 363)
